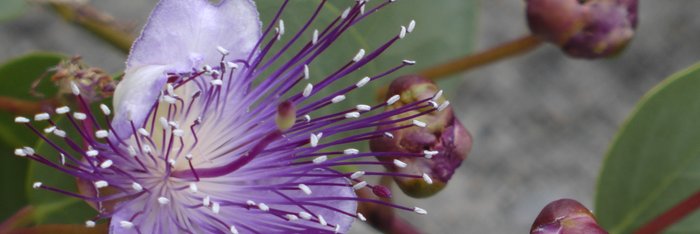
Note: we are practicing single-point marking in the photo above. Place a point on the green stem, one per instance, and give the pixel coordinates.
(96, 22)
(505, 50)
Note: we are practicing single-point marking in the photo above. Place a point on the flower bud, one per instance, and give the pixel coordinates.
(444, 137)
(286, 116)
(93, 83)
(584, 28)
(565, 216)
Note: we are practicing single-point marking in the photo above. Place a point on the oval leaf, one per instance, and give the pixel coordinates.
(654, 161)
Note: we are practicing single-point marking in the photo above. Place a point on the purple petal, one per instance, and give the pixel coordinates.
(185, 34)
(135, 96)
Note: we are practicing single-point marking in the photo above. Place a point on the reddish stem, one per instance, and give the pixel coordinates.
(671, 216)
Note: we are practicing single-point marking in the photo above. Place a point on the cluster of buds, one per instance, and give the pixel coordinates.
(584, 28)
(443, 141)
(565, 216)
(94, 83)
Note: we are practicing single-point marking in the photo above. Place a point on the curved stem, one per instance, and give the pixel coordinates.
(671, 216)
(505, 50)
(19, 219)
(96, 22)
(23, 107)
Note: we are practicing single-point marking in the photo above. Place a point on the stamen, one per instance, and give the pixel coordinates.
(400, 163)
(263, 207)
(137, 187)
(420, 210)
(360, 54)
(411, 26)
(307, 90)
(427, 179)
(419, 123)
(89, 224)
(361, 217)
(338, 98)
(305, 189)
(62, 110)
(126, 224)
(101, 184)
(363, 82)
(40, 117)
(305, 215)
(393, 99)
(320, 159)
(105, 109)
(360, 185)
(20, 119)
(357, 175)
(163, 200)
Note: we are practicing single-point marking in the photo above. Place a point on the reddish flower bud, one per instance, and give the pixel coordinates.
(566, 216)
(584, 28)
(438, 148)
(381, 191)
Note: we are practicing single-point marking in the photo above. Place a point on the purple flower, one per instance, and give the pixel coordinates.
(200, 141)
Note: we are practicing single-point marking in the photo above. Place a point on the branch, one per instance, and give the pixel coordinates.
(99, 23)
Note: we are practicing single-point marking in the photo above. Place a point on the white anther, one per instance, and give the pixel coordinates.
(232, 65)
(206, 201)
(74, 88)
(307, 90)
(188, 156)
(433, 104)
(178, 132)
(171, 162)
(146, 149)
(363, 82)
(361, 217)
(314, 38)
(20, 152)
(409, 62)
(126, 224)
(281, 26)
(101, 134)
(443, 105)
(29, 150)
(362, 9)
(420, 210)
(207, 68)
(320, 159)
(307, 118)
(106, 164)
(291, 217)
(36, 185)
(144, 132)
(337, 226)
(169, 99)
(357, 174)
(429, 154)
(163, 200)
(63, 158)
(217, 82)
(79, 116)
(193, 188)
(352, 115)
(20, 119)
(363, 107)
(222, 50)
(400, 163)
(437, 95)
(313, 140)
(59, 133)
(50, 129)
(345, 14)
(101, 184)
(92, 153)
(105, 109)
(360, 54)
(411, 26)
(305, 215)
(233, 229)
(137, 187)
(89, 224)
(250, 202)
(263, 207)
(215, 207)
(351, 151)
(163, 122)
(62, 110)
(402, 34)
(305, 189)
(338, 98)
(360, 185)
(321, 220)
(427, 178)
(41, 116)
(132, 151)
(171, 90)
(393, 99)
(306, 72)
(419, 123)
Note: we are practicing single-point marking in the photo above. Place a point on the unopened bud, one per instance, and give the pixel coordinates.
(443, 136)
(584, 28)
(565, 216)
(286, 116)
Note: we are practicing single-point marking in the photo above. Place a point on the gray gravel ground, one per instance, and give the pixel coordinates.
(541, 122)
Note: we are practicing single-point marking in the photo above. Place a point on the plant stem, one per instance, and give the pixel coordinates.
(21, 218)
(671, 216)
(24, 107)
(505, 50)
(99, 23)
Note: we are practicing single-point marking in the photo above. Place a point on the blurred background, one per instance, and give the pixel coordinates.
(541, 122)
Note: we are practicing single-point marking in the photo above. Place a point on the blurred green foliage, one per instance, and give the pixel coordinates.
(10, 9)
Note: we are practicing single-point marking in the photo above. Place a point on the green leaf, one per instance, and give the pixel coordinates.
(10, 9)
(654, 161)
(16, 77)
